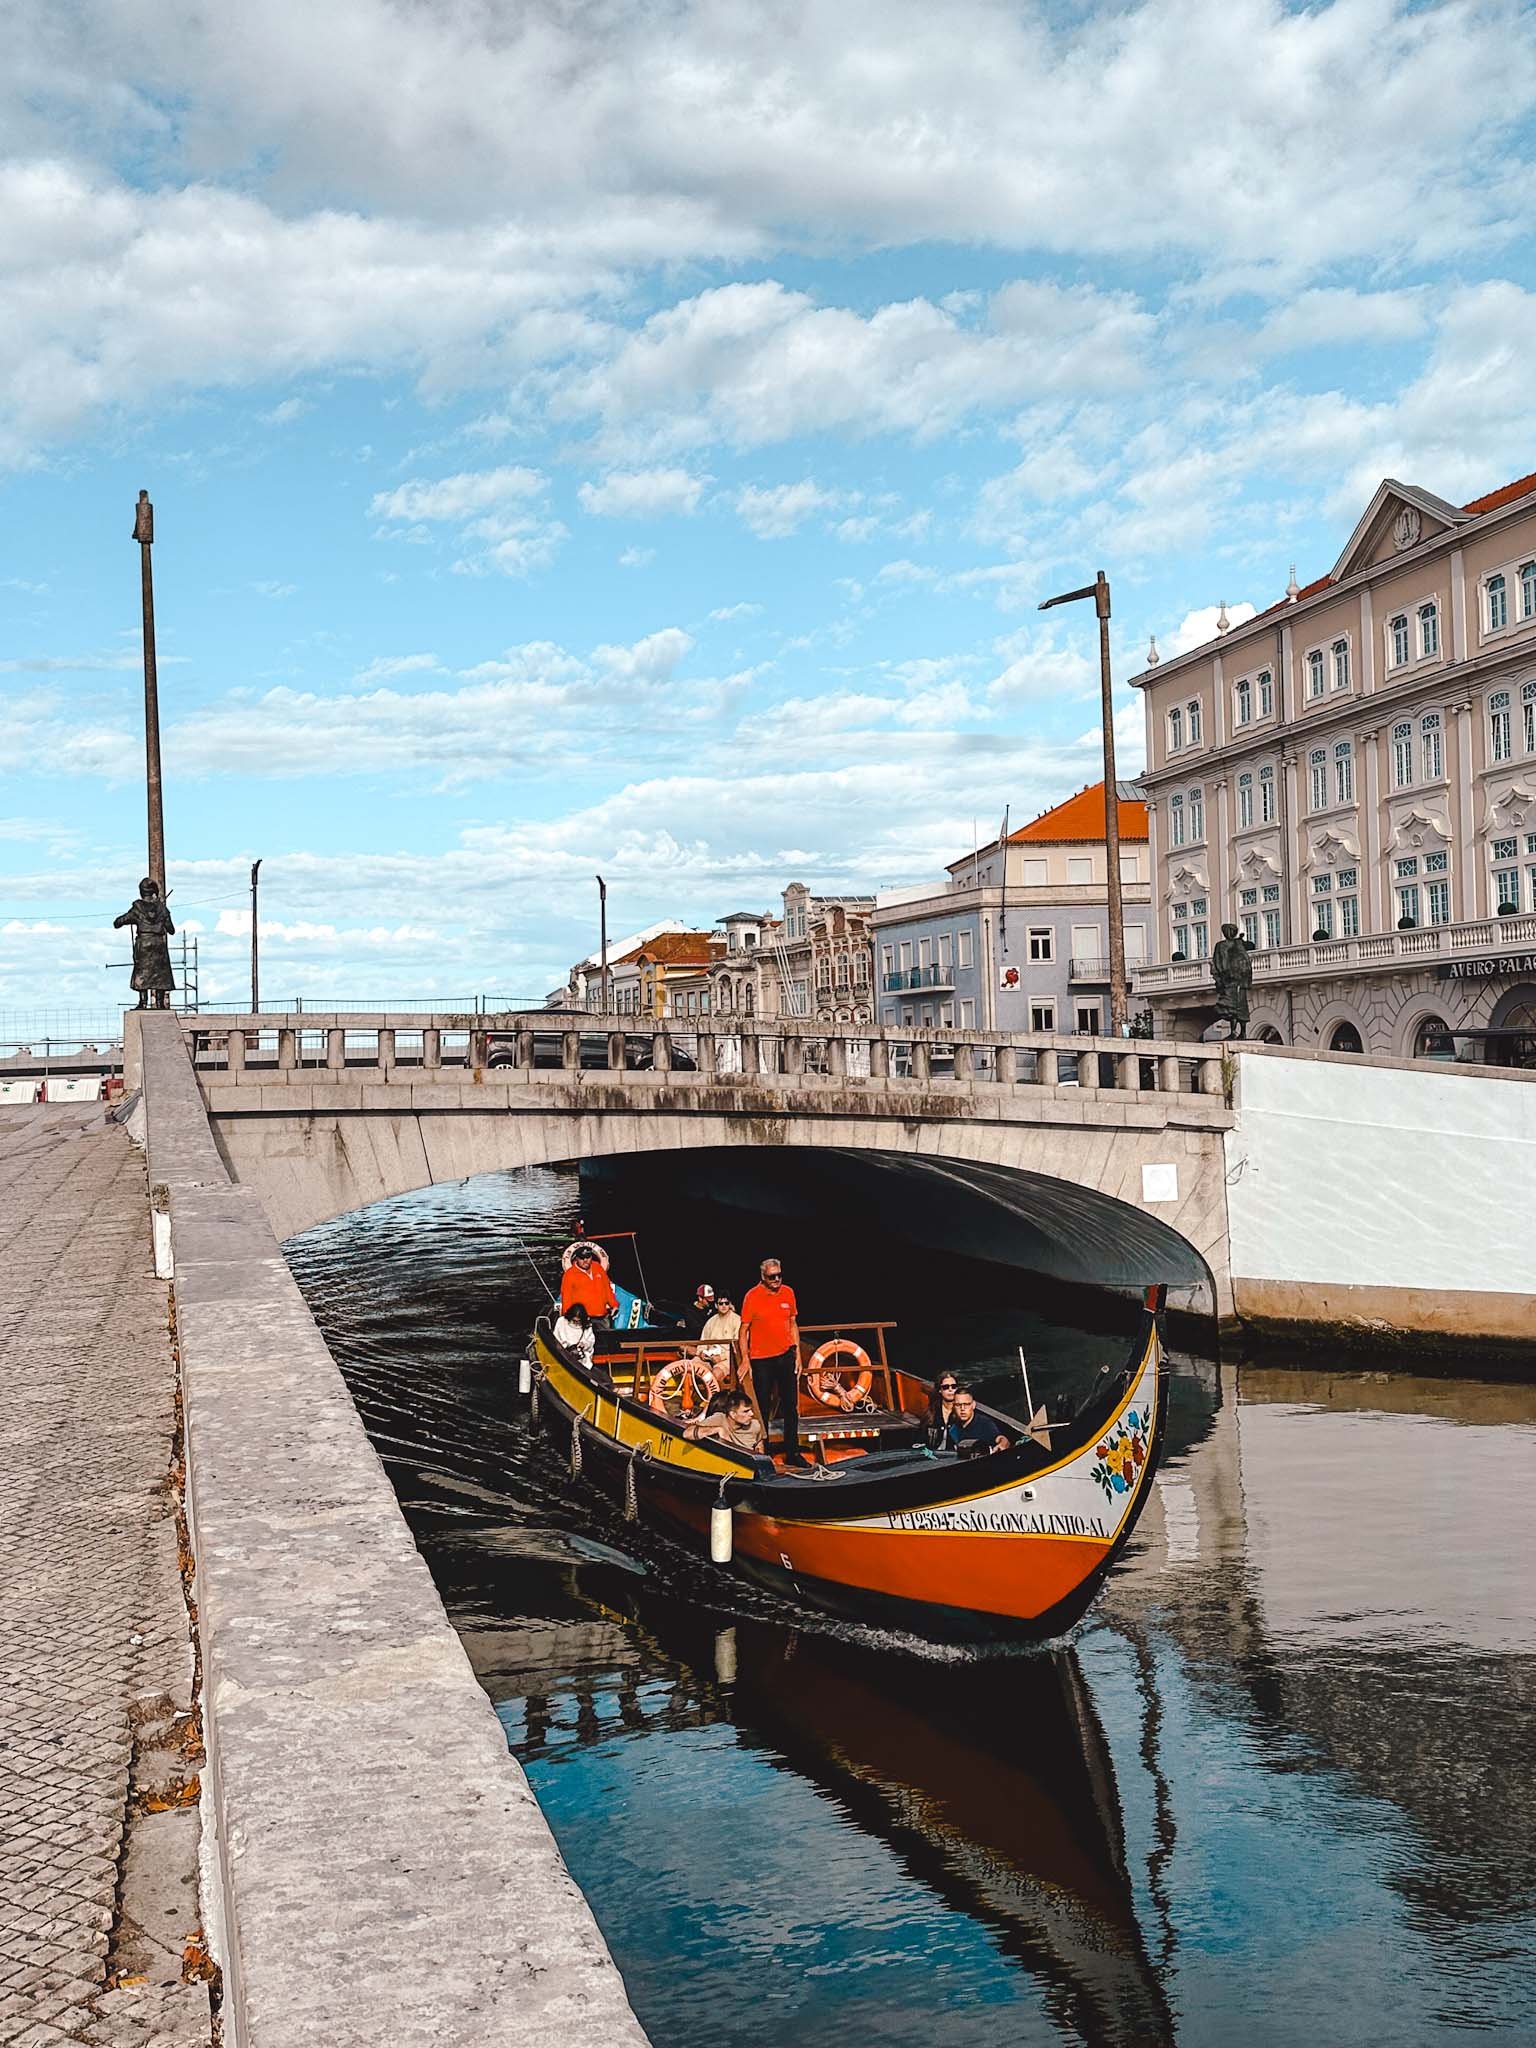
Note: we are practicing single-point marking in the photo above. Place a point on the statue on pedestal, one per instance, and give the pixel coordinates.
(152, 928)
(1233, 972)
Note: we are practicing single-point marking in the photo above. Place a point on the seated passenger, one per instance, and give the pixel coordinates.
(971, 1433)
(941, 1409)
(717, 1339)
(574, 1330)
(699, 1310)
(732, 1423)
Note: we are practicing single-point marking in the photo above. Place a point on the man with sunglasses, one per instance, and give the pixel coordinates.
(769, 1353)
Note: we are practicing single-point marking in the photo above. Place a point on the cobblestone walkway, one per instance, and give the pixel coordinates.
(93, 1628)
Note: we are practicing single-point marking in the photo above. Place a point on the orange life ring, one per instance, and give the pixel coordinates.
(583, 1244)
(835, 1389)
(687, 1381)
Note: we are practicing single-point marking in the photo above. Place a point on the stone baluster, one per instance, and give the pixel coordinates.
(386, 1046)
(522, 1049)
(1046, 1066)
(794, 1053)
(1170, 1080)
(615, 1052)
(570, 1051)
(1129, 1064)
(287, 1048)
(336, 1048)
(879, 1059)
(837, 1058)
(1005, 1065)
(922, 1060)
(234, 1052)
(709, 1055)
(476, 1054)
(661, 1053)
(431, 1047)
(1213, 1080)
(965, 1061)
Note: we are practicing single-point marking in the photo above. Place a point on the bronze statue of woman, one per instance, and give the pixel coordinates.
(152, 928)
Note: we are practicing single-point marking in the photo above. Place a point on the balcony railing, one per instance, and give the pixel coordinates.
(1095, 967)
(1489, 936)
(905, 978)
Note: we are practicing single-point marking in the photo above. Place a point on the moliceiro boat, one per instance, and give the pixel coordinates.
(882, 1528)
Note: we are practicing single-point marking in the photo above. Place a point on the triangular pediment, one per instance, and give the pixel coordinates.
(1398, 518)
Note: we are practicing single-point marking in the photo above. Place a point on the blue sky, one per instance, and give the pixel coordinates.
(636, 437)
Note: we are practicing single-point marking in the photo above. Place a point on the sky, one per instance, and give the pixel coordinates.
(634, 436)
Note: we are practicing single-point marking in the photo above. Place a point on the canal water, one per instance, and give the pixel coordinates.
(1277, 1788)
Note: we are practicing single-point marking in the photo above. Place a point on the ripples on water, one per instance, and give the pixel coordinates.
(1277, 1789)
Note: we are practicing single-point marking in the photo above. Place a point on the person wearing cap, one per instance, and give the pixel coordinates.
(699, 1310)
(586, 1280)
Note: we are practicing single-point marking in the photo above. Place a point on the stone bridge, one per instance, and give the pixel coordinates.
(1096, 1160)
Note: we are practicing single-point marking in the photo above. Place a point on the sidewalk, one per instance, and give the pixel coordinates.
(95, 1660)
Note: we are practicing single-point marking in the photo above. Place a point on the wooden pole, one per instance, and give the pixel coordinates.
(144, 534)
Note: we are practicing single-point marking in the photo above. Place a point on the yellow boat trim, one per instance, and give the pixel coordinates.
(627, 1430)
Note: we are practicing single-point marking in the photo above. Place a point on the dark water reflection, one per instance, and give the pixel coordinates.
(1276, 1790)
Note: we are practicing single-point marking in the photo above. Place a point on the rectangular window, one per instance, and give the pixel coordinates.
(1175, 731)
(888, 960)
(964, 938)
(1530, 893)
(1349, 878)
(1194, 724)
(925, 952)
(1402, 756)
(1266, 797)
(1176, 820)
(1429, 630)
(906, 956)
(1405, 868)
(1181, 939)
(1349, 917)
(1196, 816)
(1042, 1016)
(1042, 942)
(1318, 781)
(1271, 892)
(1498, 604)
(1244, 802)
(1266, 694)
(1242, 698)
(1322, 885)
(1343, 775)
(1135, 936)
(1437, 902)
(1087, 942)
(1271, 929)
(1247, 897)
(946, 949)
(1498, 728)
(1398, 630)
(1436, 863)
(1433, 749)
(1506, 887)
(947, 1016)
(1037, 871)
(1504, 849)
(1315, 673)
(1088, 1019)
(1201, 933)
(1250, 924)
(1130, 867)
(1341, 664)
(1408, 904)
(1528, 716)
(968, 1013)
(1322, 919)
(1080, 867)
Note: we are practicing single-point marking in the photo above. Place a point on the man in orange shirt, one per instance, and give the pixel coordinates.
(769, 1350)
(586, 1280)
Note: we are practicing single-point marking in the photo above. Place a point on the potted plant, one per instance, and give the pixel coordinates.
(1407, 924)
(1320, 934)
(1508, 909)
(1178, 953)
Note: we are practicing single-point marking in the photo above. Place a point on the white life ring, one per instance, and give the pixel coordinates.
(686, 1381)
(844, 1390)
(583, 1244)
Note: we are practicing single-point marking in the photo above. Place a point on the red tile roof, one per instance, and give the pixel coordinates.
(1080, 821)
(674, 949)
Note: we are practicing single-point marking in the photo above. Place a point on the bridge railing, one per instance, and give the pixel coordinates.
(715, 1053)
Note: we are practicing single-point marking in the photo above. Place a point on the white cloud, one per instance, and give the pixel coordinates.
(385, 665)
(1036, 668)
(636, 558)
(457, 497)
(286, 413)
(774, 511)
(1198, 626)
(725, 613)
(643, 493)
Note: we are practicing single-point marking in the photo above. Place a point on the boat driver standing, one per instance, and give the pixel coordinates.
(769, 1353)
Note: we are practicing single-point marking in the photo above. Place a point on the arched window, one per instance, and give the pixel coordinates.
(1266, 694)
(1176, 820)
(1317, 764)
(726, 999)
(1431, 744)
(1243, 700)
(748, 1000)
(1397, 628)
(1266, 796)
(1528, 716)
(1500, 740)
(1175, 731)
(1196, 816)
(1244, 802)
(1344, 773)
(1341, 664)
(1345, 1039)
(1429, 629)
(1194, 721)
(1498, 604)
(1528, 590)
(1402, 754)
(1315, 673)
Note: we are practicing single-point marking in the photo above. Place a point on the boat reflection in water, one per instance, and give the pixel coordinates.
(989, 1782)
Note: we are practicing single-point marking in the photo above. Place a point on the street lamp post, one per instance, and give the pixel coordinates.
(1098, 590)
(602, 927)
(255, 945)
(144, 534)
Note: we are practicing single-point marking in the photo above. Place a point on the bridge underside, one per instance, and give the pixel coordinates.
(1064, 1200)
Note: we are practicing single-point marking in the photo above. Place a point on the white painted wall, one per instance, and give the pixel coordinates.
(1369, 1176)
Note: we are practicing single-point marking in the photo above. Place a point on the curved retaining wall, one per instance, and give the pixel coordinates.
(382, 1870)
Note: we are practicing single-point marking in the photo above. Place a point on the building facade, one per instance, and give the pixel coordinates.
(814, 960)
(1350, 778)
(1015, 938)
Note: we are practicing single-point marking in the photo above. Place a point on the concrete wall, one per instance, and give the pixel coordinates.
(1390, 1194)
(384, 1874)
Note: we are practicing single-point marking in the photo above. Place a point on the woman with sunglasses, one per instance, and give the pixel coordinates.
(941, 1406)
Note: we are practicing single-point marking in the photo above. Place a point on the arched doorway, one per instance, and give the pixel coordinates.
(1345, 1038)
(1511, 1039)
(1432, 1040)
(1266, 1034)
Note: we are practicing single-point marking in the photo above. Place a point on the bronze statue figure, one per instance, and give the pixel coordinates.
(152, 928)
(1233, 972)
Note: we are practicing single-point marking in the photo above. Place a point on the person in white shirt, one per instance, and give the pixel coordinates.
(574, 1331)
(718, 1338)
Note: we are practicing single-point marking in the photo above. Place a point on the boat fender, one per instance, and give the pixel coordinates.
(533, 1403)
(830, 1388)
(720, 1530)
(631, 1491)
(525, 1374)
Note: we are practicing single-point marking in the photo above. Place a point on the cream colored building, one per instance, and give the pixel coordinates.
(1350, 777)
